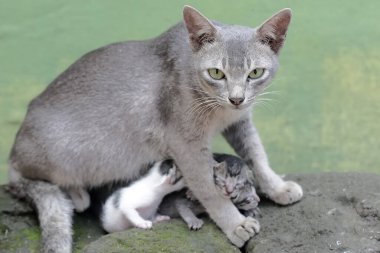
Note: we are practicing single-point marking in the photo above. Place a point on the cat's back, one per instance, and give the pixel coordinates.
(110, 71)
(109, 87)
(119, 72)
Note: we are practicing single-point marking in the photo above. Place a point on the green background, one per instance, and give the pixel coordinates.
(325, 116)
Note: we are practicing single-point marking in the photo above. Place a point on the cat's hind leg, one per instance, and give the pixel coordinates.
(135, 218)
(160, 218)
(192, 221)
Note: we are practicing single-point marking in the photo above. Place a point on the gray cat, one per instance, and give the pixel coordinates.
(126, 104)
(231, 180)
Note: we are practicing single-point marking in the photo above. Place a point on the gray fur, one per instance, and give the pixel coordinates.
(244, 197)
(127, 104)
(116, 198)
(54, 210)
(177, 205)
(165, 166)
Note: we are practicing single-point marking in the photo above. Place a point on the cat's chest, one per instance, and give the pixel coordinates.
(224, 119)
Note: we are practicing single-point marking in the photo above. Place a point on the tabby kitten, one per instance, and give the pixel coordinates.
(231, 180)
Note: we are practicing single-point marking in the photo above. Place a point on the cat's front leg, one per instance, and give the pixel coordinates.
(243, 137)
(195, 162)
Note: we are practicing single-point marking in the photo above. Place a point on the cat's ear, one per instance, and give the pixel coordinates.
(200, 29)
(273, 31)
(220, 168)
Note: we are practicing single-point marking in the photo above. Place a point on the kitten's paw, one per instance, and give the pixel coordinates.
(254, 212)
(247, 229)
(171, 177)
(145, 224)
(174, 175)
(160, 218)
(287, 194)
(195, 224)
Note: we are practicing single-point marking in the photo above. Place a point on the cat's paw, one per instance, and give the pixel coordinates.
(175, 179)
(144, 224)
(174, 175)
(254, 212)
(288, 193)
(160, 218)
(80, 199)
(247, 229)
(195, 224)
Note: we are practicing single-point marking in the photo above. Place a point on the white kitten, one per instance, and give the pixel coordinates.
(136, 205)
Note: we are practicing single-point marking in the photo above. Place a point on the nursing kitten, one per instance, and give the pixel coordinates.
(126, 104)
(136, 205)
(231, 180)
(231, 175)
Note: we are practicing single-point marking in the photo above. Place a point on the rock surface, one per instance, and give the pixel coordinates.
(339, 213)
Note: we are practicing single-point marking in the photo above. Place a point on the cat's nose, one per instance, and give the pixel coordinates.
(236, 100)
(229, 190)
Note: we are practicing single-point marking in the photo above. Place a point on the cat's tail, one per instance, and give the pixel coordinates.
(54, 210)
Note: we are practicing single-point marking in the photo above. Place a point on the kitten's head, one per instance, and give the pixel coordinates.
(247, 199)
(168, 167)
(229, 180)
(235, 63)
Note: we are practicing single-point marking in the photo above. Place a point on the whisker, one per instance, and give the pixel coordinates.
(274, 92)
(263, 104)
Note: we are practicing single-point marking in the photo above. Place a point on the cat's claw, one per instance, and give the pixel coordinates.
(247, 229)
(146, 224)
(288, 193)
(195, 224)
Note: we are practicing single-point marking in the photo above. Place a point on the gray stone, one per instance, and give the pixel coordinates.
(165, 237)
(19, 230)
(339, 213)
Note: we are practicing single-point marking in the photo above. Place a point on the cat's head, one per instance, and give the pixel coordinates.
(247, 199)
(234, 63)
(229, 180)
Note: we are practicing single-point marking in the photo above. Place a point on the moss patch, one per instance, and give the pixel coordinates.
(169, 237)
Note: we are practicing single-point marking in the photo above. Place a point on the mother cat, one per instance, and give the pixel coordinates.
(127, 104)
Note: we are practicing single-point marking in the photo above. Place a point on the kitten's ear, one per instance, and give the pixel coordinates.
(273, 31)
(221, 168)
(200, 29)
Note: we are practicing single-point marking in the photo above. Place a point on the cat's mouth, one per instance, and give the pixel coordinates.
(226, 194)
(225, 103)
(239, 107)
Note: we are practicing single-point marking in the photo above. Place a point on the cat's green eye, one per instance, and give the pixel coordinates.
(256, 73)
(216, 74)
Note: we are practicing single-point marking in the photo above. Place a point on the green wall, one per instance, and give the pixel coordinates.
(324, 117)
